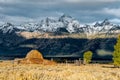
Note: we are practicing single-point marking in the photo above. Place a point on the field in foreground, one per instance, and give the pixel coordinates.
(8, 71)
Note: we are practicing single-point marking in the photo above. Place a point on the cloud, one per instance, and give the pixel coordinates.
(102, 52)
(45, 2)
(76, 1)
(112, 11)
(1, 8)
(115, 20)
(15, 19)
(1, 22)
(84, 10)
(18, 19)
(41, 2)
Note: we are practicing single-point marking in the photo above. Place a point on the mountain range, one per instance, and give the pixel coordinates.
(63, 36)
(65, 24)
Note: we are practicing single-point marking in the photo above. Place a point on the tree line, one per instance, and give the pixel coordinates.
(116, 55)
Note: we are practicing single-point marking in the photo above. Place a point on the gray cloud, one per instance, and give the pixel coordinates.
(116, 20)
(83, 10)
(112, 11)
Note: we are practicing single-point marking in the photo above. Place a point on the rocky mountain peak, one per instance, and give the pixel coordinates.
(106, 22)
(66, 16)
(65, 19)
(7, 27)
(97, 24)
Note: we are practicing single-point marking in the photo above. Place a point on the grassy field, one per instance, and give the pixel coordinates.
(8, 71)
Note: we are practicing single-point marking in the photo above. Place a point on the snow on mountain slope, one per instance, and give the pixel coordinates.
(31, 27)
(50, 25)
(65, 23)
(101, 28)
(8, 28)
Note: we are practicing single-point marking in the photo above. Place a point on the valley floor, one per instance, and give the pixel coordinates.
(8, 71)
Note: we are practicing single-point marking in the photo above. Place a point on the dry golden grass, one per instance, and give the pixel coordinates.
(58, 72)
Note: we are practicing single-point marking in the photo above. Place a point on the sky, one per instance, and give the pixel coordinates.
(86, 11)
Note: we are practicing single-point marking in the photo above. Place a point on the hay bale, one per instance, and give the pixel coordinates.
(33, 54)
(35, 57)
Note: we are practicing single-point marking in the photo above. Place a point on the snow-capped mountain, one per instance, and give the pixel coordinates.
(45, 25)
(50, 25)
(64, 23)
(8, 28)
(104, 27)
